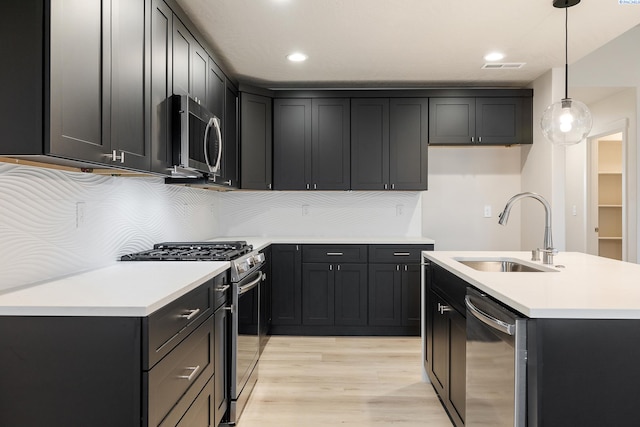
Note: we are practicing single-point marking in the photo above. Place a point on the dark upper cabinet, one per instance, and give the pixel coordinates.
(161, 85)
(130, 137)
(291, 144)
(215, 91)
(230, 127)
(311, 144)
(389, 143)
(255, 141)
(408, 143)
(485, 121)
(190, 64)
(78, 79)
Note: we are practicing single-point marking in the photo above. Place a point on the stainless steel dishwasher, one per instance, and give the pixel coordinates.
(496, 364)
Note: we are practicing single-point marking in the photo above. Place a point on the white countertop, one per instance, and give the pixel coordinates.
(122, 289)
(586, 287)
(140, 288)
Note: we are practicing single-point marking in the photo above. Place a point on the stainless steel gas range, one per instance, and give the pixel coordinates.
(247, 274)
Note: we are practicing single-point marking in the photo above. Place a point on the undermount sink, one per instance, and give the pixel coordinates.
(502, 265)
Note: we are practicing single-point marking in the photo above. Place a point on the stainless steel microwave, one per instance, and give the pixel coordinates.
(196, 138)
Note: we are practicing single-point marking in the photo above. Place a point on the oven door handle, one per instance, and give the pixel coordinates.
(488, 319)
(250, 285)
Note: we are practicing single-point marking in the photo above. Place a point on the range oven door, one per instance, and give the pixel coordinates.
(246, 340)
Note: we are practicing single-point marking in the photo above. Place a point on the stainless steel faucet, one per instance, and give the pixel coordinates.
(548, 250)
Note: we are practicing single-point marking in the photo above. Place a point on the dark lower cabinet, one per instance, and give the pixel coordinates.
(385, 295)
(446, 337)
(318, 282)
(286, 285)
(159, 370)
(347, 289)
(334, 294)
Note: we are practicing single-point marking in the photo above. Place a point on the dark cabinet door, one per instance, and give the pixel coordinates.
(499, 120)
(182, 63)
(230, 153)
(199, 70)
(411, 283)
(408, 143)
(291, 144)
(369, 143)
(330, 146)
(221, 364)
(130, 84)
(161, 85)
(452, 120)
(440, 348)
(215, 90)
(457, 365)
(255, 141)
(317, 294)
(80, 80)
(286, 285)
(350, 290)
(385, 295)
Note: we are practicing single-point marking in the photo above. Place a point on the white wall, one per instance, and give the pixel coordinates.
(462, 180)
(39, 237)
(607, 113)
(326, 214)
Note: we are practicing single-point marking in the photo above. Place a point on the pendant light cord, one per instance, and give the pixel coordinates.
(566, 53)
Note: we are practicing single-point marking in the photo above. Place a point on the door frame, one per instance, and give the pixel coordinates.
(620, 126)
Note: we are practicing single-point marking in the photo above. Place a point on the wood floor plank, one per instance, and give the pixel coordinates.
(354, 381)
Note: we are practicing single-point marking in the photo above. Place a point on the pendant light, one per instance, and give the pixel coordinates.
(568, 121)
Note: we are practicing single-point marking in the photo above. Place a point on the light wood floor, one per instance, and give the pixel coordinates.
(354, 381)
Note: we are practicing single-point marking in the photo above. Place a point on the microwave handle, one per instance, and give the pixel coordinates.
(216, 124)
(206, 139)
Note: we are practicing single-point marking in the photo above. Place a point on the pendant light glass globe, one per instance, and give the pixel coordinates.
(566, 122)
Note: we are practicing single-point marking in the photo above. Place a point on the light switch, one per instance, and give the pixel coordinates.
(487, 211)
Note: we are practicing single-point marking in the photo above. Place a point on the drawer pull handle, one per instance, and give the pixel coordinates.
(193, 369)
(222, 288)
(191, 314)
(401, 253)
(335, 253)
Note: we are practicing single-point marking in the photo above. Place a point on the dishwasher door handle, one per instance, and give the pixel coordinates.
(488, 319)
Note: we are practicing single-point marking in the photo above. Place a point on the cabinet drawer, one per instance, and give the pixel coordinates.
(450, 286)
(168, 326)
(220, 289)
(397, 254)
(188, 367)
(334, 253)
(193, 410)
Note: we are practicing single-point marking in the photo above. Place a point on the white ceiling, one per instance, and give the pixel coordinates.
(354, 43)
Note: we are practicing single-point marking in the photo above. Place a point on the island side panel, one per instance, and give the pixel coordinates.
(70, 371)
(583, 372)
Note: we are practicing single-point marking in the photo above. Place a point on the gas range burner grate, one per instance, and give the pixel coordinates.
(191, 251)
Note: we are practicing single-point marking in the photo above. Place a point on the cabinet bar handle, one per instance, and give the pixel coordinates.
(330, 267)
(401, 253)
(193, 370)
(393, 186)
(338, 267)
(397, 268)
(334, 254)
(307, 186)
(191, 314)
(385, 186)
(473, 139)
(222, 288)
(479, 139)
(315, 186)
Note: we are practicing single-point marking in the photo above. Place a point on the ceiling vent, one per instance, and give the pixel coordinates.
(503, 66)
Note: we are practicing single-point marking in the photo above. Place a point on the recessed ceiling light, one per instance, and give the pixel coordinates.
(297, 57)
(494, 56)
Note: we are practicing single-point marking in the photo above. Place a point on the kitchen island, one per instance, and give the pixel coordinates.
(582, 333)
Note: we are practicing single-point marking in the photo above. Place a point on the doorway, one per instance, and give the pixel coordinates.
(607, 223)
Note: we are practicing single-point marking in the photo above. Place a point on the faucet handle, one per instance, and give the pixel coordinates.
(535, 254)
(547, 255)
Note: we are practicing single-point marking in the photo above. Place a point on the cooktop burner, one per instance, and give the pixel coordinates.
(191, 251)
